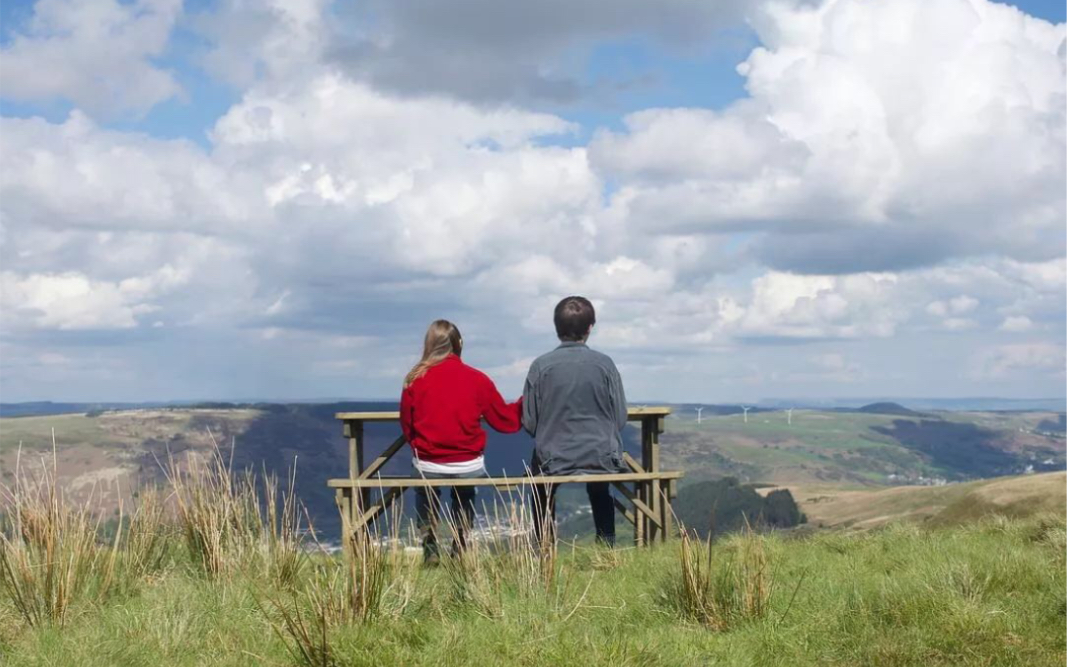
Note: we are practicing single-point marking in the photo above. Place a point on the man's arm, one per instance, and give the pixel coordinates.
(618, 397)
(530, 403)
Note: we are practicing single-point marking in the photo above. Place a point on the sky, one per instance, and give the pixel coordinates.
(762, 198)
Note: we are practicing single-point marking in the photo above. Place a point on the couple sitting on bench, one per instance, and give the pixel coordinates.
(572, 404)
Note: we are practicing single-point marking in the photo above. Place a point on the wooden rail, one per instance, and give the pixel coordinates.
(647, 489)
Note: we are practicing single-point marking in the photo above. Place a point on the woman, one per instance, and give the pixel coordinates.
(441, 409)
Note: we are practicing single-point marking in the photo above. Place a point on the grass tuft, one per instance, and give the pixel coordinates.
(721, 590)
(50, 557)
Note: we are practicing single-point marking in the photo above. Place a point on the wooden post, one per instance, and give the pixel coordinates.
(656, 501)
(359, 501)
(669, 492)
(345, 507)
(354, 433)
(642, 528)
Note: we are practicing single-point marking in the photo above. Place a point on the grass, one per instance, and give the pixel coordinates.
(217, 569)
(50, 554)
(987, 593)
(942, 505)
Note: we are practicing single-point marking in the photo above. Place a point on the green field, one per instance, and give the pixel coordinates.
(982, 594)
(201, 573)
(834, 507)
(853, 449)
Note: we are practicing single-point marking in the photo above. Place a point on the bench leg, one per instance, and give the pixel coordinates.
(344, 506)
(665, 511)
(656, 533)
(641, 524)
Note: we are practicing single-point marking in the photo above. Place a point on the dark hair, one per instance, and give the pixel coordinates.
(573, 317)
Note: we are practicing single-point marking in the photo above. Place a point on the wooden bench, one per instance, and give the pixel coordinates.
(648, 491)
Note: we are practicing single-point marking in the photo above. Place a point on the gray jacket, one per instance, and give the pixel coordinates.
(575, 408)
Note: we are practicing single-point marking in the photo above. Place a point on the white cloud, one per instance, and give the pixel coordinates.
(793, 306)
(328, 221)
(1038, 358)
(78, 174)
(877, 139)
(1016, 324)
(830, 367)
(272, 39)
(71, 301)
(96, 53)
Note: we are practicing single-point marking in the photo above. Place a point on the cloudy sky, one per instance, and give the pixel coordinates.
(787, 198)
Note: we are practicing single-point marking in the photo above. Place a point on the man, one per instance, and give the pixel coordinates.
(574, 407)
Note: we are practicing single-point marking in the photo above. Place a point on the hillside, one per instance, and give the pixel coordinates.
(888, 408)
(108, 454)
(862, 448)
(1019, 496)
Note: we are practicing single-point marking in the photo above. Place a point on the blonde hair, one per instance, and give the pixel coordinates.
(442, 339)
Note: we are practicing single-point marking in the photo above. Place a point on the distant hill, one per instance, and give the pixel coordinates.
(868, 447)
(42, 408)
(974, 403)
(1017, 496)
(1058, 425)
(888, 409)
(110, 451)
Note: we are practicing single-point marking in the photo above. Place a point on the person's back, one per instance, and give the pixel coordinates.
(441, 414)
(441, 408)
(575, 408)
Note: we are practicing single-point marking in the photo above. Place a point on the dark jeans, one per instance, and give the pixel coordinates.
(429, 509)
(544, 505)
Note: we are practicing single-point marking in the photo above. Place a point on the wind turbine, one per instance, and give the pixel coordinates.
(789, 416)
(746, 412)
(699, 410)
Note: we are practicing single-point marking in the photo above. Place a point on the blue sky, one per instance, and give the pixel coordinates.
(809, 199)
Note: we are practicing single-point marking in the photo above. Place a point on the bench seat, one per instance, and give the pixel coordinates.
(410, 482)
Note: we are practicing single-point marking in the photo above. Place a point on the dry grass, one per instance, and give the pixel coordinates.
(341, 592)
(229, 525)
(148, 534)
(720, 588)
(50, 557)
(491, 574)
(286, 556)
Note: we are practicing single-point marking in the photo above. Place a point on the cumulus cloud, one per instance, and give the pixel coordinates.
(273, 40)
(487, 51)
(852, 205)
(77, 173)
(1006, 360)
(794, 306)
(70, 301)
(97, 54)
(871, 140)
(1016, 324)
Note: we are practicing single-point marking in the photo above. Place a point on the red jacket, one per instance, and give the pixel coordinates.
(441, 412)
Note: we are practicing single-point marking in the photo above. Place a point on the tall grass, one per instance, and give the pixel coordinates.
(286, 555)
(341, 592)
(987, 593)
(720, 588)
(50, 557)
(228, 525)
(515, 575)
(148, 534)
